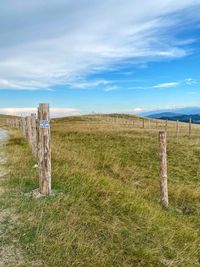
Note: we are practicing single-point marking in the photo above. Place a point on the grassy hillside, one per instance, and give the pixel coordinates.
(106, 209)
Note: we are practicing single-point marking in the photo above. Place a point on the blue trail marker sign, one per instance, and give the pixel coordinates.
(44, 124)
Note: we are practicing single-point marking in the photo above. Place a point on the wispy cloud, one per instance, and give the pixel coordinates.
(88, 84)
(111, 88)
(187, 81)
(42, 46)
(55, 112)
(190, 81)
(22, 85)
(166, 85)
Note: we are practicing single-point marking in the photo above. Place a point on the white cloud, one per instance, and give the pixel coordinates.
(138, 110)
(28, 85)
(166, 85)
(110, 88)
(65, 41)
(54, 112)
(88, 84)
(187, 81)
(190, 81)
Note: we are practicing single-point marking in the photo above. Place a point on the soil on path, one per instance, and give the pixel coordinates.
(10, 256)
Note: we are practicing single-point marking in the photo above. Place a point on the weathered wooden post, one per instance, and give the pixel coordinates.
(20, 124)
(28, 130)
(34, 134)
(163, 169)
(17, 123)
(166, 125)
(156, 124)
(190, 127)
(37, 136)
(24, 126)
(143, 123)
(177, 128)
(44, 146)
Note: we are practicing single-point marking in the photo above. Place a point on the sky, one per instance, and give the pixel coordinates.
(103, 56)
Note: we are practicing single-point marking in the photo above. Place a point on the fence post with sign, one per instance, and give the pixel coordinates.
(44, 149)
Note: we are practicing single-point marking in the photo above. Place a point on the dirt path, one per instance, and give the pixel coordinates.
(9, 254)
(3, 139)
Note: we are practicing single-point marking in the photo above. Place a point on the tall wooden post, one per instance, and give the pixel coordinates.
(21, 126)
(24, 126)
(177, 128)
(37, 136)
(166, 125)
(44, 146)
(190, 127)
(163, 169)
(143, 123)
(156, 124)
(28, 130)
(34, 134)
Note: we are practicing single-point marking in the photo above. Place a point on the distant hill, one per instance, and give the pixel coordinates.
(175, 117)
(164, 114)
(180, 111)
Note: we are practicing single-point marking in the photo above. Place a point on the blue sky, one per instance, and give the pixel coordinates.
(99, 56)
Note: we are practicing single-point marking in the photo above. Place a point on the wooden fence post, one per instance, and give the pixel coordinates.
(190, 127)
(177, 128)
(37, 136)
(143, 123)
(24, 126)
(44, 146)
(166, 125)
(28, 130)
(21, 125)
(34, 134)
(163, 169)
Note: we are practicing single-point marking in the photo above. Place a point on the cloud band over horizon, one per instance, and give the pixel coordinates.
(26, 111)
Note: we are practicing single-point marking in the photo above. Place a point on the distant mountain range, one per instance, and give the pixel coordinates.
(176, 116)
(164, 114)
(176, 111)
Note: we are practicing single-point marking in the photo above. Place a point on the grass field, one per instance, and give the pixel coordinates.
(106, 209)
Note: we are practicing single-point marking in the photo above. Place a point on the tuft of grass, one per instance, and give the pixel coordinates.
(106, 209)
